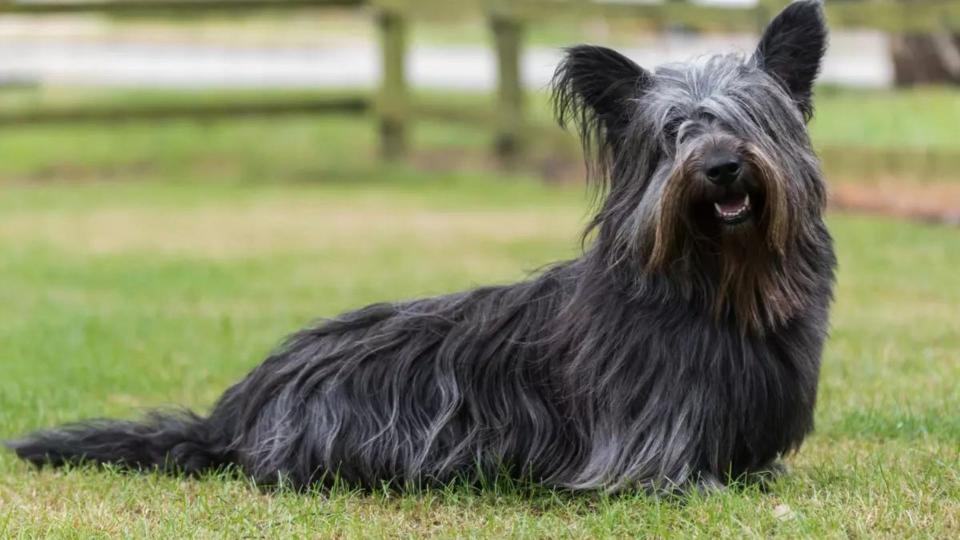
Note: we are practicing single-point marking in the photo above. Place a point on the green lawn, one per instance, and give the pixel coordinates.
(862, 135)
(152, 265)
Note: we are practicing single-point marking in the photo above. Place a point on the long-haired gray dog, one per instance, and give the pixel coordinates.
(682, 348)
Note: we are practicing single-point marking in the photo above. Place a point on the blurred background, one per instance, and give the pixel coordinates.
(329, 87)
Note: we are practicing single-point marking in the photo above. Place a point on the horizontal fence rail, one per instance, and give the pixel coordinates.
(112, 114)
(36, 7)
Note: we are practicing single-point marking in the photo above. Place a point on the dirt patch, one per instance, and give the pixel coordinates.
(937, 202)
(220, 232)
(928, 202)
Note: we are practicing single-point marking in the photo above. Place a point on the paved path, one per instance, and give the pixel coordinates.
(859, 59)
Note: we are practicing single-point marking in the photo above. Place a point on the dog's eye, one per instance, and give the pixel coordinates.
(672, 129)
(707, 117)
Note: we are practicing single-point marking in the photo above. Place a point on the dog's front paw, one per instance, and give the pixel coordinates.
(766, 475)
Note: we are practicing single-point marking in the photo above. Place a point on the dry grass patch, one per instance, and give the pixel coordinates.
(224, 232)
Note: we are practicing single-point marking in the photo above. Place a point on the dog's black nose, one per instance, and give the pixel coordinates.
(722, 168)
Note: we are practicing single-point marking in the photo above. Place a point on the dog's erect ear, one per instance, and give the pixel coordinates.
(593, 87)
(791, 49)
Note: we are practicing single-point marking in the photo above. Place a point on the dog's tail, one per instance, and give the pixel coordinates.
(171, 442)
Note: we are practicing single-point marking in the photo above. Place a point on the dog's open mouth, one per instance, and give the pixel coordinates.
(732, 209)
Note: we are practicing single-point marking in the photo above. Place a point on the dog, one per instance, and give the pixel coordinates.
(681, 349)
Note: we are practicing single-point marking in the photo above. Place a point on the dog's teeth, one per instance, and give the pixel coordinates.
(728, 214)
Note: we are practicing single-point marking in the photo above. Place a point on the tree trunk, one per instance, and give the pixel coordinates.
(926, 59)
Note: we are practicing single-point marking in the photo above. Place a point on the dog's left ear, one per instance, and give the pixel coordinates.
(791, 49)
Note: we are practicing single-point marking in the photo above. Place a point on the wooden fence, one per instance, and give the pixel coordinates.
(507, 20)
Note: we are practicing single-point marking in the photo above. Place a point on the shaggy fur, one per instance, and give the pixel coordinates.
(677, 350)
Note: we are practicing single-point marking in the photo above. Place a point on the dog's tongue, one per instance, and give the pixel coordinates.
(733, 204)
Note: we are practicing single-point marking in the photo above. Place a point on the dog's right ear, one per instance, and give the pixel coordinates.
(593, 87)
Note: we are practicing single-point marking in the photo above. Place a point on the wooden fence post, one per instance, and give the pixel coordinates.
(507, 34)
(392, 106)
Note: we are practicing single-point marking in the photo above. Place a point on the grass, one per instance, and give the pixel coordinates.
(149, 265)
(921, 119)
(861, 135)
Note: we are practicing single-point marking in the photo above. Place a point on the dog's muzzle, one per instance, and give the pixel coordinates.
(727, 178)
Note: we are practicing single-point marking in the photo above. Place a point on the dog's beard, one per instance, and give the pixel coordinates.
(744, 263)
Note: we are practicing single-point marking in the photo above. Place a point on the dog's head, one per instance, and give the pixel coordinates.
(707, 167)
